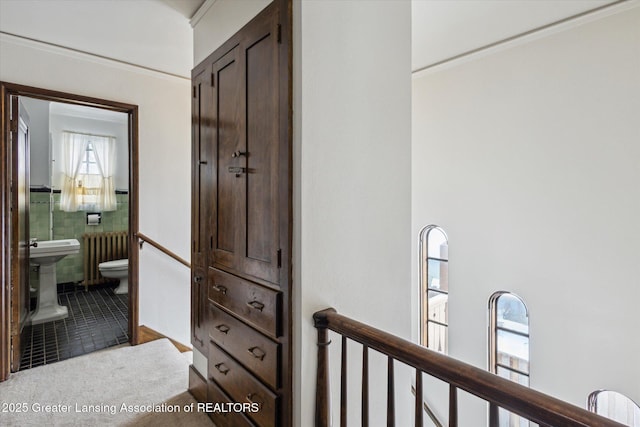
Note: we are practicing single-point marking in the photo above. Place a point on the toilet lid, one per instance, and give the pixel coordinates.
(112, 265)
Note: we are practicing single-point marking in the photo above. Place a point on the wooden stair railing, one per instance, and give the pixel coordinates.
(540, 408)
(142, 239)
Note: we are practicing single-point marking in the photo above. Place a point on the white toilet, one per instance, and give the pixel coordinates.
(117, 269)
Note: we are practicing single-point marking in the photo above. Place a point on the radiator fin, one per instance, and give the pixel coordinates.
(102, 247)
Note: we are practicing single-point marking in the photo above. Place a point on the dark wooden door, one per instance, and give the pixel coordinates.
(242, 213)
(20, 226)
(229, 156)
(203, 128)
(260, 235)
(247, 207)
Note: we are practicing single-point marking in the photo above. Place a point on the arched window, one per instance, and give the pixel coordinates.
(434, 288)
(615, 406)
(509, 346)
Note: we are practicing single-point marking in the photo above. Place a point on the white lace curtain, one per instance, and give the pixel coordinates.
(88, 172)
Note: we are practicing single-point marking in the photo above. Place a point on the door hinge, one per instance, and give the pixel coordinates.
(279, 33)
(194, 91)
(279, 258)
(213, 79)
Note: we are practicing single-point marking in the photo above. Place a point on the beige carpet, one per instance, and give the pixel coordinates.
(143, 385)
(175, 419)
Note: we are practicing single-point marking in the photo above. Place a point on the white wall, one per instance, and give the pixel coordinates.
(353, 248)
(142, 32)
(528, 158)
(221, 20)
(164, 156)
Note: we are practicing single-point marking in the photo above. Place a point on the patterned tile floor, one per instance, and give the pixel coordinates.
(97, 320)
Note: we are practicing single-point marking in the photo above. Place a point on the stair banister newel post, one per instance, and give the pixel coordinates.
(323, 398)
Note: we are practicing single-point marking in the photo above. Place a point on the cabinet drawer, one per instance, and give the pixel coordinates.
(222, 418)
(255, 351)
(258, 305)
(243, 387)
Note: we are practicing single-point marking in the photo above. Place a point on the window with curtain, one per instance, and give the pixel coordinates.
(434, 288)
(509, 346)
(88, 172)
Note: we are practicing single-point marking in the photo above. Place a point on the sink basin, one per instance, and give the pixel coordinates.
(46, 254)
(52, 251)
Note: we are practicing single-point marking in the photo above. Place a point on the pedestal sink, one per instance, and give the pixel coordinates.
(46, 254)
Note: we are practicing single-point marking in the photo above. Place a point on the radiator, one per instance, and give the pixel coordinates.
(101, 247)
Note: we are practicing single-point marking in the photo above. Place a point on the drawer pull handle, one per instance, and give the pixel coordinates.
(250, 397)
(222, 368)
(223, 328)
(256, 304)
(220, 288)
(257, 352)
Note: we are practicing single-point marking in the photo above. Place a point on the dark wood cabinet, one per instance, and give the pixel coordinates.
(241, 220)
(201, 189)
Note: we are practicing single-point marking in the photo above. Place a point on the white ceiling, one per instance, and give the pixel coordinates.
(443, 29)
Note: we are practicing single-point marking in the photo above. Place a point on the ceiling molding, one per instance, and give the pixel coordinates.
(81, 54)
(529, 36)
(201, 12)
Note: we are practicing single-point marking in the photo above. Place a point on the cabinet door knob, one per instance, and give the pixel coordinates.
(220, 288)
(250, 398)
(197, 279)
(237, 170)
(222, 368)
(257, 352)
(256, 305)
(223, 329)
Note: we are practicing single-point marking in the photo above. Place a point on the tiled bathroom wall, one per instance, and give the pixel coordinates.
(71, 225)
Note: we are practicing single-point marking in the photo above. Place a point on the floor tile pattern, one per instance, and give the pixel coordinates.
(97, 320)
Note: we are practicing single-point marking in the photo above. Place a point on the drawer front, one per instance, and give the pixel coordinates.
(222, 418)
(258, 305)
(243, 387)
(255, 351)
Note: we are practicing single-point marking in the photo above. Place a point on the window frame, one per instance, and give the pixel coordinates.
(494, 364)
(425, 288)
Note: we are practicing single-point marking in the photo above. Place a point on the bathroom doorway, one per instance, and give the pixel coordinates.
(92, 215)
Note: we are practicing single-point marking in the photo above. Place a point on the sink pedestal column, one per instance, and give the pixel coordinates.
(48, 308)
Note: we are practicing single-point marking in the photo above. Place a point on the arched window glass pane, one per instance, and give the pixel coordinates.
(615, 406)
(509, 346)
(434, 288)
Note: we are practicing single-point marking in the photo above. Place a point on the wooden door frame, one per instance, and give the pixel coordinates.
(7, 90)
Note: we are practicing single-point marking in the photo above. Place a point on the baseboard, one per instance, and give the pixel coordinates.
(197, 385)
(146, 334)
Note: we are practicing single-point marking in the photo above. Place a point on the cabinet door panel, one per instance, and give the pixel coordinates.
(229, 190)
(199, 289)
(201, 155)
(262, 142)
(203, 113)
